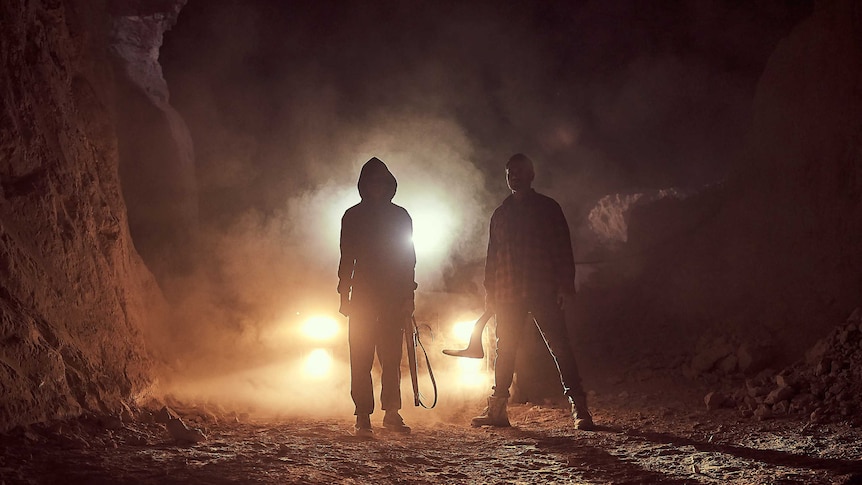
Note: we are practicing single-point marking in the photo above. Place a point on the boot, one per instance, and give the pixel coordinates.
(363, 425)
(493, 415)
(392, 421)
(580, 413)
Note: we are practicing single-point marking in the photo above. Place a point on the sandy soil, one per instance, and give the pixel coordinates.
(643, 437)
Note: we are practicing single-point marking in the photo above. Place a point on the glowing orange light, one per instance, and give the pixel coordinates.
(462, 331)
(320, 328)
(318, 364)
(470, 372)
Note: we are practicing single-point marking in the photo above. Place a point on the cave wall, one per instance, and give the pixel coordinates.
(804, 172)
(155, 147)
(768, 261)
(75, 297)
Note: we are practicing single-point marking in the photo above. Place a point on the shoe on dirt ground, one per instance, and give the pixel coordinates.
(494, 414)
(585, 424)
(392, 421)
(363, 426)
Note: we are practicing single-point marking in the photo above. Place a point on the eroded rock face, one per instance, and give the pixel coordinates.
(772, 255)
(803, 189)
(155, 146)
(75, 296)
(826, 386)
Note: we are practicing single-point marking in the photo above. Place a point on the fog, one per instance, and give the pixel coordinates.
(286, 101)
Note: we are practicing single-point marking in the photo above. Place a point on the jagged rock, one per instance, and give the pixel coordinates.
(75, 293)
(753, 358)
(754, 390)
(749, 403)
(182, 433)
(785, 380)
(710, 355)
(780, 407)
(763, 412)
(802, 400)
(836, 389)
(729, 364)
(819, 415)
(126, 414)
(782, 393)
(817, 352)
(164, 415)
(156, 154)
(110, 422)
(823, 367)
(715, 400)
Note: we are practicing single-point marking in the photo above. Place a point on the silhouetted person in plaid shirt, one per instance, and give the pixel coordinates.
(530, 269)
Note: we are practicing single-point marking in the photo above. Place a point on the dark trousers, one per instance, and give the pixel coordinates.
(511, 330)
(375, 328)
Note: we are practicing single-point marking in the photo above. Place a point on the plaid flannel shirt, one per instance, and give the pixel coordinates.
(529, 250)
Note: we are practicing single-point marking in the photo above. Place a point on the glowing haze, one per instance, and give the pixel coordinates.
(287, 100)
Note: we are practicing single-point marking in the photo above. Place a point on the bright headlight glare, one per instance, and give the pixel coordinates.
(320, 328)
(463, 330)
(318, 363)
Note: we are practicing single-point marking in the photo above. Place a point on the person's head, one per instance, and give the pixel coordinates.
(376, 182)
(519, 173)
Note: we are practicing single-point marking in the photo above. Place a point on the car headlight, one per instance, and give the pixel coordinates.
(321, 329)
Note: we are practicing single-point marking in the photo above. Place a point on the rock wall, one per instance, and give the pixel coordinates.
(767, 262)
(75, 297)
(155, 146)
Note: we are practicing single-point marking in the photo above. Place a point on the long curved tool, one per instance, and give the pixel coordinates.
(474, 348)
(411, 337)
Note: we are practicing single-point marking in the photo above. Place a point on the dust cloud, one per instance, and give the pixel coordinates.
(285, 102)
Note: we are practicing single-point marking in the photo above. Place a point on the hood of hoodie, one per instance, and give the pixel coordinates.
(376, 169)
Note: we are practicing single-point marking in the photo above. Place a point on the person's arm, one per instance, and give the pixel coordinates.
(410, 274)
(564, 260)
(491, 268)
(346, 265)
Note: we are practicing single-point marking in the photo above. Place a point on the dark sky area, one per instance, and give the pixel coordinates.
(286, 99)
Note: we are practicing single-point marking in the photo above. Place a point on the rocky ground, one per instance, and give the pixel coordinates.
(656, 431)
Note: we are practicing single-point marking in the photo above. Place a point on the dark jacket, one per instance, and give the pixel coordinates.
(378, 259)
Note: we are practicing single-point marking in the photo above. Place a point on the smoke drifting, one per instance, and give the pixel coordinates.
(285, 101)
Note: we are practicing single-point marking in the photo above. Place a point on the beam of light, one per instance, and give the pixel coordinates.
(462, 331)
(318, 364)
(471, 373)
(433, 227)
(321, 329)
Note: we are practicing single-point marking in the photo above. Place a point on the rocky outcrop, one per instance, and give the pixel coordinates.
(824, 386)
(155, 146)
(770, 258)
(802, 184)
(75, 297)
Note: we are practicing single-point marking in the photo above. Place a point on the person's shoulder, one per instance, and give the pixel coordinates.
(397, 208)
(508, 201)
(353, 209)
(545, 200)
(504, 205)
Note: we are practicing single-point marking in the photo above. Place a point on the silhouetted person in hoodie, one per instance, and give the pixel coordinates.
(376, 283)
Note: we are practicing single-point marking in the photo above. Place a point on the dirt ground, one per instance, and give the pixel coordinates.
(643, 437)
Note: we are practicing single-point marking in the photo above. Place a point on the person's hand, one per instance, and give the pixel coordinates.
(344, 307)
